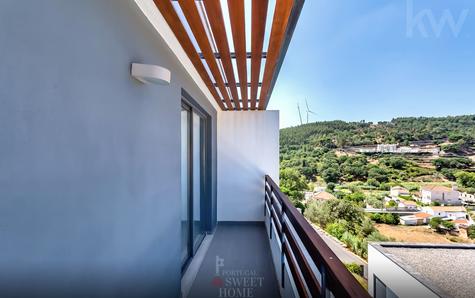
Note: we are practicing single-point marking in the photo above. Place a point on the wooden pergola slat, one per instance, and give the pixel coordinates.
(194, 20)
(168, 12)
(238, 28)
(279, 25)
(213, 59)
(259, 15)
(216, 20)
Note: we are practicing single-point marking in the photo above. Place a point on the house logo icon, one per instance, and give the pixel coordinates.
(217, 280)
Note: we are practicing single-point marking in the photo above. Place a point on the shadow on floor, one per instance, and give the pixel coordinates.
(238, 263)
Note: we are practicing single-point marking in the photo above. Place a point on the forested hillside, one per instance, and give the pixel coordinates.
(343, 158)
(334, 134)
(318, 152)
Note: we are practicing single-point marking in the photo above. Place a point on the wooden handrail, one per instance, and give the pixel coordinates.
(334, 275)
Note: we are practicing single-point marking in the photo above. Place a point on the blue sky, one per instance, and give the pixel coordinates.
(355, 60)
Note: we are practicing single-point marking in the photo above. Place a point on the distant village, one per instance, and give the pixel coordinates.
(425, 148)
(446, 203)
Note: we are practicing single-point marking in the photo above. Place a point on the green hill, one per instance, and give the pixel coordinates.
(323, 150)
(337, 134)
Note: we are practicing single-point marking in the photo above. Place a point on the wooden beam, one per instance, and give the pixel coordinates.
(216, 20)
(238, 28)
(168, 12)
(282, 12)
(233, 55)
(239, 84)
(194, 21)
(259, 16)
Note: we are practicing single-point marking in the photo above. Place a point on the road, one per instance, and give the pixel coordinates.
(341, 252)
(400, 212)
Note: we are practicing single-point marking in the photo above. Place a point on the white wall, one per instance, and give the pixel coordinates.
(394, 277)
(440, 196)
(248, 149)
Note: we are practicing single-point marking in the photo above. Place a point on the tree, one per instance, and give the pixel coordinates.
(378, 174)
(373, 182)
(354, 167)
(390, 218)
(448, 225)
(435, 222)
(455, 137)
(367, 227)
(327, 212)
(387, 218)
(337, 229)
(465, 179)
(375, 202)
(391, 204)
(455, 147)
(452, 163)
(471, 232)
(292, 183)
(376, 217)
(448, 173)
(398, 163)
(331, 175)
(331, 187)
(357, 197)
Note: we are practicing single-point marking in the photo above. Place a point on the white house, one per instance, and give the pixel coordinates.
(407, 270)
(397, 191)
(461, 223)
(408, 205)
(450, 212)
(417, 219)
(321, 196)
(467, 198)
(440, 194)
(386, 148)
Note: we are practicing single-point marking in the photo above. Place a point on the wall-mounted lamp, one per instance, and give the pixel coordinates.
(147, 73)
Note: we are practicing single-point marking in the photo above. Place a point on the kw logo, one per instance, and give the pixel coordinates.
(418, 21)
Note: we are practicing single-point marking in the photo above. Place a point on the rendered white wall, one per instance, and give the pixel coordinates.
(397, 279)
(248, 149)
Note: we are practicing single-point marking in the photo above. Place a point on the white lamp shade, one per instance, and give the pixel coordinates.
(154, 74)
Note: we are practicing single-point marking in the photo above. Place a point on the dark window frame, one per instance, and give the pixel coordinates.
(191, 105)
(386, 288)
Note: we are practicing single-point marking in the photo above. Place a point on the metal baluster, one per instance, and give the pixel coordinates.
(265, 199)
(282, 242)
(323, 293)
(270, 211)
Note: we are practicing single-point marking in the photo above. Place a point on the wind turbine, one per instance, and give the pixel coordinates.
(300, 114)
(308, 110)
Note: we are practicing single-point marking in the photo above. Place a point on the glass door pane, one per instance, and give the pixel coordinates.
(193, 174)
(185, 185)
(198, 171)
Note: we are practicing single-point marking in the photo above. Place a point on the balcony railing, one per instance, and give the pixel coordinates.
(314, 268)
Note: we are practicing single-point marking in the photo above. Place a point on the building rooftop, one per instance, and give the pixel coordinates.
(422, 215)
(323, 195)
(447, 208)
(437, 188)
(448, 270)
(406, 202)
(399, 188)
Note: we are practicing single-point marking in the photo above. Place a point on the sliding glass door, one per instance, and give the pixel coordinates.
(185, 183)
(193, 175)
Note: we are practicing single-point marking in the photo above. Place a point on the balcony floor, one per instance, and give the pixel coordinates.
(238, 263)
